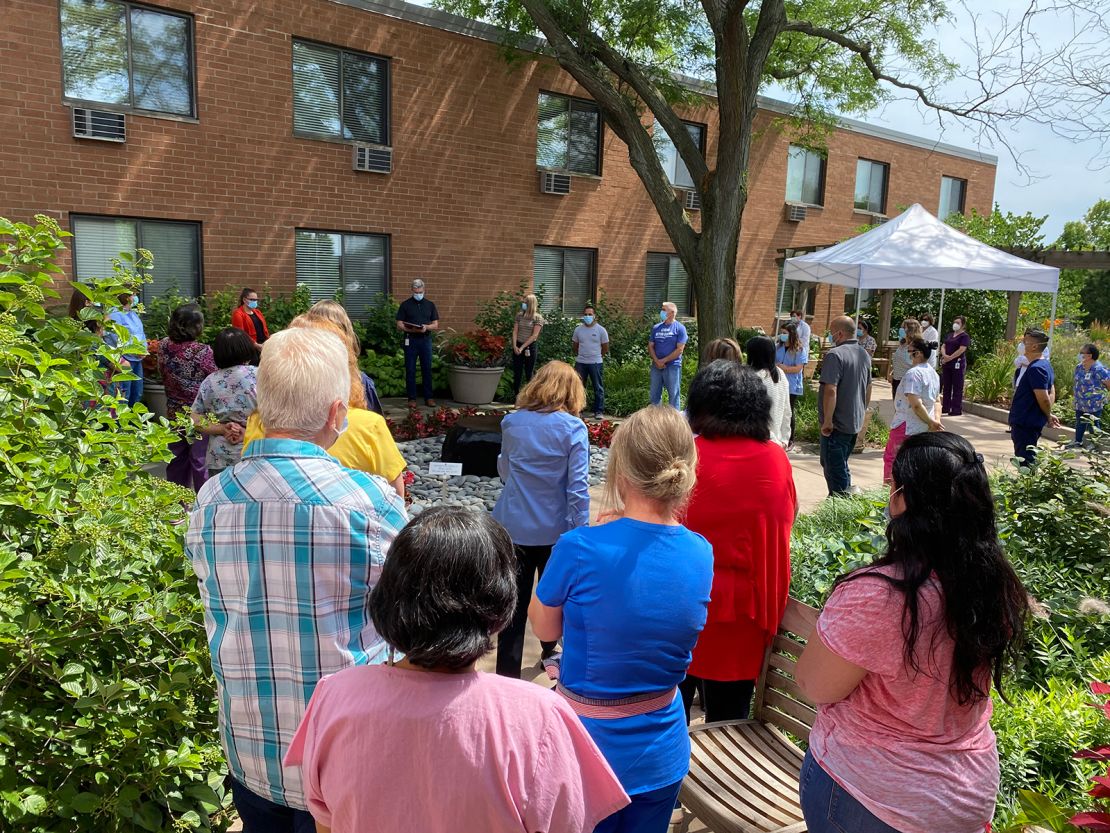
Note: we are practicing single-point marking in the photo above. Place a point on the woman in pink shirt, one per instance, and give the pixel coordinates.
(426, 742)
(902, 741)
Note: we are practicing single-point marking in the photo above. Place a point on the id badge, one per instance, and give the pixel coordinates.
(406, 341)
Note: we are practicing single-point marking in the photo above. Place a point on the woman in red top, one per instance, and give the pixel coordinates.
(249, 318)
(744, 504)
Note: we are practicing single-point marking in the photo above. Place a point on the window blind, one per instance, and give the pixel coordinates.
(678, 286)
(318, 258)
(96, 240)
(364, 104)
(176, 251)
(582, 152)
(94, 51)
(364, 273)
(315, 89)
(547, 277)
(655, 282)
(161, 78)
(577, 279)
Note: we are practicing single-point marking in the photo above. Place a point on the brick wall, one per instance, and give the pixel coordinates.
(462, 205)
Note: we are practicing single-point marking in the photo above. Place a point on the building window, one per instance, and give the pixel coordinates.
(339, 94)
(672, 163)
(568, 135)
(793, 294)
(350, 268)
(127, 56)
(564, 278)
(953, 192)
(175, 247)
(666, 280)
(805, 176)
(871, 180)
(850, 293)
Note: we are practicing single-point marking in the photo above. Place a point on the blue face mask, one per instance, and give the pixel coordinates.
(419, 296)
(342, 427)
(784, 337)
(587, 319)
(1080, 357)
(252, 304)
(134, 300)
(663, 315)
(523, 306)
(859, 332)
(901, 332)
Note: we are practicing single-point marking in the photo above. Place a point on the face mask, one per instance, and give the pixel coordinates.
(830, 338)
(784, 337)
(134, 300)
(587, 319)
(901, 332)
(1021, 361)
(523, 307)
(1081, 357)
(886, 511)
(663, 315)
(252, 304)
(859, 332)
(419, 296)
(956, 326)
(342, 427)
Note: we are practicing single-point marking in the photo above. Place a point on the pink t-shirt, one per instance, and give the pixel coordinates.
(900, 743)
(384, 748)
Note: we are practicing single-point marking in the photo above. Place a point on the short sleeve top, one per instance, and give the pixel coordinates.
(1090, 394)
(791, 358)
(228, 395)
(527, 326)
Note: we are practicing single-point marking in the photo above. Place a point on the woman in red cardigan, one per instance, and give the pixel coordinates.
(744, 504)
(249, 318)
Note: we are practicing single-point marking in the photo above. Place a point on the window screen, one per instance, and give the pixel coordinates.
(568, 134)
(666, 280)
(563, 279)
(339, 94)
(175, 247)
(805, 176)
(871, 186)
(132, 56)
(672, 163)
(953, 193)
(353, 268)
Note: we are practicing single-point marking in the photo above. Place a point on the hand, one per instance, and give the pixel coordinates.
(826, 429)
(516, 350)
(935, 425)
(423, 328)
(233, 432)
(1054, 421)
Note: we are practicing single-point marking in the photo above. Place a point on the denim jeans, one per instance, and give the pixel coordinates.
(669, 377)
(649, 812)
(132, 392)
(828, 808)
(592, 373)
(418, 347)
(1085, 422)
(835, 449)
(260, 815)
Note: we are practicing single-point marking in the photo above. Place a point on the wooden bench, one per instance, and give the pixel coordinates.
(744, 774)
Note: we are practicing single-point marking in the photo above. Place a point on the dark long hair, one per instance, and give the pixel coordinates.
(793, 343)
(761, 355)
(948, 528)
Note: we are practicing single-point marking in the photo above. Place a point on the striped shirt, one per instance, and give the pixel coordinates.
(287, 546)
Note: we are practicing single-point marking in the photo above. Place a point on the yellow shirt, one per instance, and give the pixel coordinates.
(366, 445)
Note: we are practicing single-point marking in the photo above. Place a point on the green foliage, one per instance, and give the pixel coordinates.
(1095, 297)
(1003, 231)
(991, 378)
(107, 701)
(388, 372)
(627, 387)
(378, 331)
(985, 312)
(217, 308)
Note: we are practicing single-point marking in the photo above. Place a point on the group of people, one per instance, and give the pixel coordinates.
(344, 636)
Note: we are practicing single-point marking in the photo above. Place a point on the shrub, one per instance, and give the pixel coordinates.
(217, 308)
(388, 372)
(991, 379)
(378, 331)
(476, 348)
(985, 312)
(108, 707)
(627, 387)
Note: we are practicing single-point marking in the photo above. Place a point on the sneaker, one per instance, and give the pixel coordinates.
(597, 416)
(551, 665)
(431, 403)
(412, 403)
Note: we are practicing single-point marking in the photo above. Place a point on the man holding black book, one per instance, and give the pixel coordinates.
(418, 318)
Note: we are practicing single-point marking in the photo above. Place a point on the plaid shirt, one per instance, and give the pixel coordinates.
(287, 546)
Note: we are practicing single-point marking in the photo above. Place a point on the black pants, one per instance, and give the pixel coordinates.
(894, 388)
(721, 700)
(795, 398)
(530, 562)
(524, 363)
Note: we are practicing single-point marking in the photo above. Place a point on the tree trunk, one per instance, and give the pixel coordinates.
(715, 290)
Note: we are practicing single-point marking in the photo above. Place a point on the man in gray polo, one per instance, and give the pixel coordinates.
(591, 342)
(845, 393)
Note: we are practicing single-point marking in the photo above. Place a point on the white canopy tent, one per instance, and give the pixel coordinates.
(915, 250)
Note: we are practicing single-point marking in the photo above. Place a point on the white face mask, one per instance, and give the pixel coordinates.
(956, 326)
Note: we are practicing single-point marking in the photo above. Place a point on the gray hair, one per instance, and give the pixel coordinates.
(417, 283)
(667, 305)
(303, 372)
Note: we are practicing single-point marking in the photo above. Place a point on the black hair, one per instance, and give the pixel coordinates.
(186, 323)
(1040, 336)
(727, 399)
(233, 347)
(448, 585)
(948, 528)
(243, 295)
(588, 307)
(760, 351)
(1091, 348)
(865, 325)
(921, 345)
(793, 343)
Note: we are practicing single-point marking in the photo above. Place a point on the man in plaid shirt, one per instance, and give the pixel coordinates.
(287, 546)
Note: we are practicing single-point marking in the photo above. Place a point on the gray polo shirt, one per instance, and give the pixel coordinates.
(849, 368)
(589, 341)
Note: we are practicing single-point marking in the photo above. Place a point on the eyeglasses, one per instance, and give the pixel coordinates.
(916, 353)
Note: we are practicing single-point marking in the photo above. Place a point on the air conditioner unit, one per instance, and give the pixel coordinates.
(693, 201)
(99, 124)
(553, 183)
(795, 213)
(373, 158)
(878, 219)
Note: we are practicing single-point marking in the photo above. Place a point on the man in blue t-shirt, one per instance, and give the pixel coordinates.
(668, 340)
(1034, 393)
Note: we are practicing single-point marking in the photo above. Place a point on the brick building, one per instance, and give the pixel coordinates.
(244, 122)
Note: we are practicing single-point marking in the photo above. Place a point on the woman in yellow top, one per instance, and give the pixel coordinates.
(366, 445)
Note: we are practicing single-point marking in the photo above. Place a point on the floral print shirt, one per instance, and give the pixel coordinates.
(184, 365)
(228, 395)
(1090, 395)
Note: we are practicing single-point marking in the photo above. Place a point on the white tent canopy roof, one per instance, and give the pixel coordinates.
(915, 250)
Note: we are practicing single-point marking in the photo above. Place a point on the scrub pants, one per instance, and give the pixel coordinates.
(530, 561)
(1025, 442)
(649, 812)
(952, 386)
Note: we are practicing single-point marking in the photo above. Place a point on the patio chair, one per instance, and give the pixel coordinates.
(744, 774)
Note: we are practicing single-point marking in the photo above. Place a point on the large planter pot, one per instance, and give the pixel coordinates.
(154, 397)
(473, 385)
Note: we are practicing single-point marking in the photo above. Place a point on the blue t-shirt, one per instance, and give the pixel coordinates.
(634, 598)
(131, 321)
(791, 358)
(666, 338)
(1024, 411)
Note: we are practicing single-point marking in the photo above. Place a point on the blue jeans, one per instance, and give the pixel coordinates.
(828, 808)
(1025, 443)
(1085, 422)
(669, 377)
(649, 812)
(132, 392)
(835, 449)
(260, 815)
(418, 347)
(592, 373)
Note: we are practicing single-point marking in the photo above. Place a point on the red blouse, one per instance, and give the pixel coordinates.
(744, 504)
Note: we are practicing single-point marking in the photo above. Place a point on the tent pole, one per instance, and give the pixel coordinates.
(859, 301)
(940, 317)
(1052, 319)
(782, 294)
